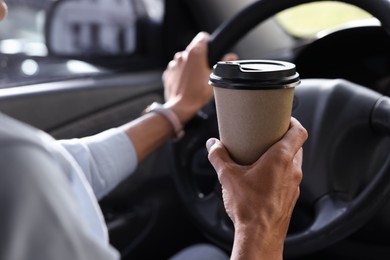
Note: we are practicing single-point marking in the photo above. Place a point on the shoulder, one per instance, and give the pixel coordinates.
(37, 206)
(24, 153)
(14, 133)
(26, 156)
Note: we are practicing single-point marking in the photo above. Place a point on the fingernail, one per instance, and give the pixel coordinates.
(210, 143)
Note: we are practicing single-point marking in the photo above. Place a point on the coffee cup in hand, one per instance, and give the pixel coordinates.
(254, 103)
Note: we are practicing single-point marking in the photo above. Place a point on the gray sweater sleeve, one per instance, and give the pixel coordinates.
(106, 158)
(39, 217)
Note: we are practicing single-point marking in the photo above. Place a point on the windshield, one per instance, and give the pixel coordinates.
(307, 20)
(25, 22)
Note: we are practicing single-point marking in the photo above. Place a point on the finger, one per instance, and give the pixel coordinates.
(298, 130)
(297, 164)
(218, 155)
(293, 139)
(230, 57)
(165, 75)
(178, 56)
(298, 159)
(201, 39)
(171, 64)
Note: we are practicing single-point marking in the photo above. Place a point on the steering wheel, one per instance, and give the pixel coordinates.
(346, 168)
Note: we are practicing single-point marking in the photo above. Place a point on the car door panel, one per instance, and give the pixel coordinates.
(80, 107)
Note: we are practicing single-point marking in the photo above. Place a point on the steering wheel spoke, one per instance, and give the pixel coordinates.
(328, 209)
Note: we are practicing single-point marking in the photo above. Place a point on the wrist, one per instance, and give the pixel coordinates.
(169, 115)
(259, 241)
(183, 112)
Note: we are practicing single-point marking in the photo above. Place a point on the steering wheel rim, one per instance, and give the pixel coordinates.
(228, 33)
(328, 228)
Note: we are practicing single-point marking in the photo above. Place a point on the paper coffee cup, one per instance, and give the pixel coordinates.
(254, 102)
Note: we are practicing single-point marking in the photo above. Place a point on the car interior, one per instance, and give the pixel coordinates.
(89, 65)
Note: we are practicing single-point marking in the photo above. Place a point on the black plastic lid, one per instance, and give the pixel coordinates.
(254, 74)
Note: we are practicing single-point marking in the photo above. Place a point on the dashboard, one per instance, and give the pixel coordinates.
(358, 54)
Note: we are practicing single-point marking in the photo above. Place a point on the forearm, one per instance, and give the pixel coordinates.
(186, 90)
(254, 243)
(148, 132)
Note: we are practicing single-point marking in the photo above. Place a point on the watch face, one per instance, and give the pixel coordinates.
(151, 107)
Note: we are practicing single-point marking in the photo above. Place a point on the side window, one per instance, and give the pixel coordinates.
(47, 40)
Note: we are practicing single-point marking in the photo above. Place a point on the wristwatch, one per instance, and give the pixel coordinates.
(169, 115)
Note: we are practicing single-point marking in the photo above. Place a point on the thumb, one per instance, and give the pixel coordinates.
(218, 155)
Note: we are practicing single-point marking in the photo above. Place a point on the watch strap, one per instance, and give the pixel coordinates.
(169, 115)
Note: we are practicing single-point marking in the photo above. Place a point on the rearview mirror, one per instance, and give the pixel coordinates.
(96, 28)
